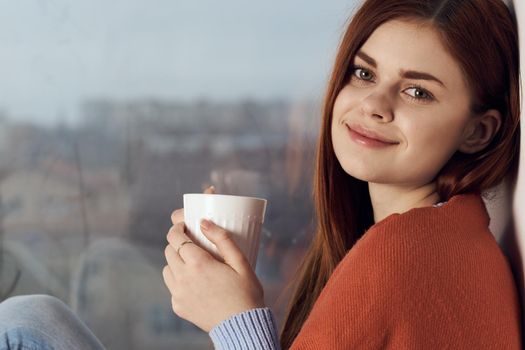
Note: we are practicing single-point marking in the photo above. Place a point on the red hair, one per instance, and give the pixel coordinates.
(482, 36)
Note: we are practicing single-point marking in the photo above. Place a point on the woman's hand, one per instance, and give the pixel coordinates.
(205, 291)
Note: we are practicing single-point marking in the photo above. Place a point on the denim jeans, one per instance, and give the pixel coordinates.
(42, 322)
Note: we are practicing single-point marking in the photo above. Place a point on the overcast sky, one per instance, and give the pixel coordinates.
(55, 53)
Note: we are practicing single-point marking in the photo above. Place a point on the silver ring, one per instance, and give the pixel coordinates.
(183, 243)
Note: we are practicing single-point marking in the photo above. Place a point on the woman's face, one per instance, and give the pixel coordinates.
(408, 91)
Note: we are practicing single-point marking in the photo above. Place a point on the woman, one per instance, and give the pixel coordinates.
(421, 115)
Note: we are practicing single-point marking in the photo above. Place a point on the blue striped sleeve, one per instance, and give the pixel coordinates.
(250, 330)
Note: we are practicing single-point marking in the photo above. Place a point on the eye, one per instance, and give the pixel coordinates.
(418, 93)
(361, 73)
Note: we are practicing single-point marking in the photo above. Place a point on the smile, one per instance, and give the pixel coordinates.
(368, 140)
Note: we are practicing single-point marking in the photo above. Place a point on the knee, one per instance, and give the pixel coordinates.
(34, 300)
(40, 321)
(32, 310)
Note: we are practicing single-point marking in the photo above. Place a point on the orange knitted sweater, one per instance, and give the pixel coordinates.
(430, 278)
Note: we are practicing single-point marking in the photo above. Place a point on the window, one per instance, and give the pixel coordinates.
(110, 111)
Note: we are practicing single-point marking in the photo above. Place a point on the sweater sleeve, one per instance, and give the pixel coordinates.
(250, 330)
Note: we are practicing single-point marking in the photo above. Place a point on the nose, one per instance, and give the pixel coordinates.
(377, 106)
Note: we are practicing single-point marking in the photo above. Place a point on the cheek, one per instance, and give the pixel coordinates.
(345, 101)
(429, 147)
(341, 145)
(336, 138)
(443, 136)
(336, 111)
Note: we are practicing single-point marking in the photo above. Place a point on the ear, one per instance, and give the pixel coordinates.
(480, 131)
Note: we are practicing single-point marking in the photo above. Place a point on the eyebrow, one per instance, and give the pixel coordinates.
(408, 74)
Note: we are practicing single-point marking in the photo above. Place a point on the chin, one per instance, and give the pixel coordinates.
(364, 171)
(359, 171)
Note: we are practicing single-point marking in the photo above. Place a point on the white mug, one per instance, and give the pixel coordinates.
(241, 216)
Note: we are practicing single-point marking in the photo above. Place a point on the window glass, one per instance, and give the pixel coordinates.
(111, 110)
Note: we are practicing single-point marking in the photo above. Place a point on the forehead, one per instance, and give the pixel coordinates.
(411, 45)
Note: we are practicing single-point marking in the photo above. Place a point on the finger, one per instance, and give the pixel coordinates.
(176, 229)
(177, 216)
(169, 281)
(189, 252)
(229, 250)
(174, 260)
(210, 190)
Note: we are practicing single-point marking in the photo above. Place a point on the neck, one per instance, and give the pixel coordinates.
(389, 199)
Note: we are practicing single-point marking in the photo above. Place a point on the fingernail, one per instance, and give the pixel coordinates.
(205, 224)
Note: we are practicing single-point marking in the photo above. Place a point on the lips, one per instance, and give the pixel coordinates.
(372, 135)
